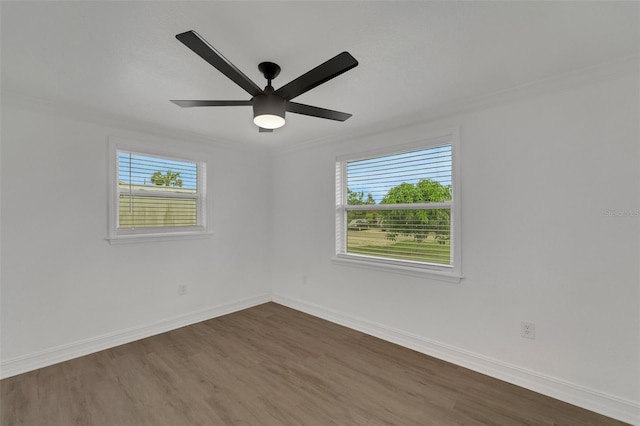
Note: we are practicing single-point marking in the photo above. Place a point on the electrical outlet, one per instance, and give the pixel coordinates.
(182, 289)
(528, 329)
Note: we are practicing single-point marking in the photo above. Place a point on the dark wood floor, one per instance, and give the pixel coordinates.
(270, 365)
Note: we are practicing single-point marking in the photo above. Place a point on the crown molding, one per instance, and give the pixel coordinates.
(629, 65)
(77, 112)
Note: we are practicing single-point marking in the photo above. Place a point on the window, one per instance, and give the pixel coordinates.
(398, 209)
(155, 194)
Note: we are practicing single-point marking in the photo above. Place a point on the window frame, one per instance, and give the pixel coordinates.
(449, 273)
(117, 235)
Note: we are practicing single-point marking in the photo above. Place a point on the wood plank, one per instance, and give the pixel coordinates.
(271, 365)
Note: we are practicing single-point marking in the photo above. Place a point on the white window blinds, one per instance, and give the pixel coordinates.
(156, 192)
(398, 206)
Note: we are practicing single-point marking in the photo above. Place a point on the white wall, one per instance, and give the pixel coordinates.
(538, 176)
(66, 290)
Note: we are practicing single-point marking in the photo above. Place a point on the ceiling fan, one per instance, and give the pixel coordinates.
(269, 105)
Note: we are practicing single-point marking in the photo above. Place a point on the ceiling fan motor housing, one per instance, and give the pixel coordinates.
(269, 106)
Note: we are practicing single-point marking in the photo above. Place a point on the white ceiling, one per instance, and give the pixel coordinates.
(122, 58)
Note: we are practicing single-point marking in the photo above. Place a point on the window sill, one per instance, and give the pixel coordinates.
(143, 238)
(414, 271)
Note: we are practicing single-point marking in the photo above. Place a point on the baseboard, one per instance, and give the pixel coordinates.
(590, 399)
(23, 364)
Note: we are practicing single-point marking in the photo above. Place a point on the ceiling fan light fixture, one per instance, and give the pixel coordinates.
(268, 111)
(269, 105)
(268, 121)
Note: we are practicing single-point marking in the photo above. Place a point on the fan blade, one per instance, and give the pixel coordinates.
(193, 41)
(263, 130)
(188, 104)
(320, 74)
(317, 112)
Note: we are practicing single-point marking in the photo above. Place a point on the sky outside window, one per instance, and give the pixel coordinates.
(378, 175)
(137, 169)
